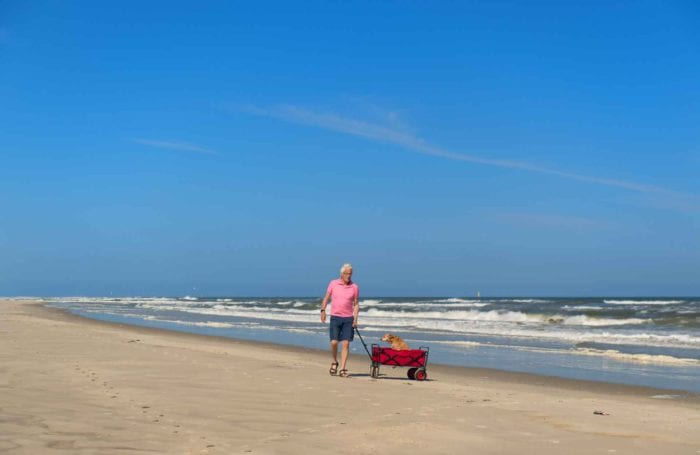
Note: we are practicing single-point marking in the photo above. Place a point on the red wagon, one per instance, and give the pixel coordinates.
(415, 359)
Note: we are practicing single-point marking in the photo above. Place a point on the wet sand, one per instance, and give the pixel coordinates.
(73, 385)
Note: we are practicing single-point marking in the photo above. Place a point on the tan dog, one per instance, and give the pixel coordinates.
(397, 343)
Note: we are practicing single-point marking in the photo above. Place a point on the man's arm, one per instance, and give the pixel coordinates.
(324, 303)
(355, 309)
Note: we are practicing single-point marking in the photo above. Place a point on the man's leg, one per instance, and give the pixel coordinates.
(344, 353)
(334, 350)
(333, 332)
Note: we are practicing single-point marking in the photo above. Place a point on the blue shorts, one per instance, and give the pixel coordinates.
(341, 328)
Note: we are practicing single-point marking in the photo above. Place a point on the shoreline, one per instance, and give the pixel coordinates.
(467, 371)
(643, 343)
(80, 384)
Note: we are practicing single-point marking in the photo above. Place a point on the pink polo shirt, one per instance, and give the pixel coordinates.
(342, 297)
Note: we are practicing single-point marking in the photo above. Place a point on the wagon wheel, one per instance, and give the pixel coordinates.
(421, 374)
(412, 373)
(374, 371)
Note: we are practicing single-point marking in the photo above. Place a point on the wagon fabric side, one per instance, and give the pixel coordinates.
(415, 359)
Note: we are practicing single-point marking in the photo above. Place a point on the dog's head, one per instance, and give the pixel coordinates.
(388, 338)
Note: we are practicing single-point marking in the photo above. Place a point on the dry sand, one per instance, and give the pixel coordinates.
(70, 385)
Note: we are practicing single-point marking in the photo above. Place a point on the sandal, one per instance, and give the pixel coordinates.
(334, 369)
(344, 373)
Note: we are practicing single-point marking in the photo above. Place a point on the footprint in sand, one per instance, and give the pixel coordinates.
(62, 444)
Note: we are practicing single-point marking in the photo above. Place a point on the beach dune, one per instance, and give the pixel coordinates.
(73, 385)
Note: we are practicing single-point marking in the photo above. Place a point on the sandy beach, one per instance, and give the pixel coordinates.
(72, 385)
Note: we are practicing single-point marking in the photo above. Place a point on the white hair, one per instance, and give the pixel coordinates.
(345, 266)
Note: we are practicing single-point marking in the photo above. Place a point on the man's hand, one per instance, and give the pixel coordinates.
(323, 316)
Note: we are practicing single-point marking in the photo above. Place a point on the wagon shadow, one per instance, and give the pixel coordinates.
(385, 377)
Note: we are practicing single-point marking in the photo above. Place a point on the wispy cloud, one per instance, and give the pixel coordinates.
(171, 145)
(388, 134)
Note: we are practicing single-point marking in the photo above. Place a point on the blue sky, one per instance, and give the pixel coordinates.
(444, 148)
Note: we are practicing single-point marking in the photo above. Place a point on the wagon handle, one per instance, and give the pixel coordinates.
(363, 343)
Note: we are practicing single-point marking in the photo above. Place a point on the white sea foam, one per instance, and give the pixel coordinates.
(600, 322)
(199, 307)
(226, 325)
(504, 316)
(638, 358)
(282, 303)
(455, 300)
(609, 353)
(111, 300)
(507, 316)
(580, 307)
(218, 325)
(633, 339)
(429, 304)
(642, 302)
(466, 344)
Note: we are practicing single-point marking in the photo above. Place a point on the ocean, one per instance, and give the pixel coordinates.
(638, 341)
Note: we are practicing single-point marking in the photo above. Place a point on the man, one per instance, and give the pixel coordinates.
(344, 296)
